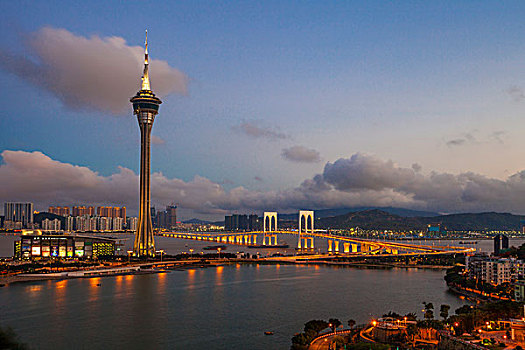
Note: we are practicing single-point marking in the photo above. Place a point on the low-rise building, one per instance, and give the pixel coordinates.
(63, 246)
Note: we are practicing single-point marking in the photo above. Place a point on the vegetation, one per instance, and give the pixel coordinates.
(9, 340)
(376, 219)
(301, 341)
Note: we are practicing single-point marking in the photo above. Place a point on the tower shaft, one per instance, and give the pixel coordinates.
(144, 244)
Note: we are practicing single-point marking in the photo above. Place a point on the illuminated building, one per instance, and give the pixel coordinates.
(60, 246)
(62, 211)
(145, 107)
(19, 213)
(168, 218)
(81, 211)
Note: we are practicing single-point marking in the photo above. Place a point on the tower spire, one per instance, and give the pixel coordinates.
(145, 76)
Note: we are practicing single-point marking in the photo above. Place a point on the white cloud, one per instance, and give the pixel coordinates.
(254, 130)
(95, 72)
(301, 154)
(156, 140)
(360, 180)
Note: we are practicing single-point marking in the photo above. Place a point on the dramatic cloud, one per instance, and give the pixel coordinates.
(96, 72)
(156, 140)
(301, 154)
(256, 131)
(360, 180)
(516, 93)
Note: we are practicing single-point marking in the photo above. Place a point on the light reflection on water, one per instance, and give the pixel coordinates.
(210, 308)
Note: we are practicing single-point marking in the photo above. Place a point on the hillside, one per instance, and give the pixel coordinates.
(380, 220)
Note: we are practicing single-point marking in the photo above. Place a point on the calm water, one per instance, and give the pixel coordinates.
(214, 308)
(227, 307)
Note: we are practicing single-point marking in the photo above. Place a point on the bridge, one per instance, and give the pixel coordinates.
(306, 234)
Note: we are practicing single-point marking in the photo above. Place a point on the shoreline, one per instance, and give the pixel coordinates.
(147, 268)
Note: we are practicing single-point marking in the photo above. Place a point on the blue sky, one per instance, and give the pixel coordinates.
(437, 84)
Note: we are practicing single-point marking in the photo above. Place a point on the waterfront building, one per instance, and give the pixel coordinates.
(237, 222)
(117, 224)
(61, 246)
(19, 212)
(131, 223)
(104, 223)
(166, 219)
(519, 290)
(145, 107)
(70, 223)
(494, 270)
(51, 225)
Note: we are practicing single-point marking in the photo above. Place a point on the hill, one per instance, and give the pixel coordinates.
(381, 220)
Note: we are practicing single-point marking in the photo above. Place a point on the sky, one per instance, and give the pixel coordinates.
(272, 105)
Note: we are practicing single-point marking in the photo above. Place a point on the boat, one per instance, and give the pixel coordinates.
(215, 247)
(261, 246)
(268, 333)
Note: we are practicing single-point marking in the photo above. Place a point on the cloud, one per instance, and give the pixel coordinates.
(469, 138)
(416, 167)
(156, 140)
(360, 180)
(90, 73)
(456, 142)
(301, 154)
(253, 130)
(516, 93)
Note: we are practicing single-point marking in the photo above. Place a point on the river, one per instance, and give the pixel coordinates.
(227, 307)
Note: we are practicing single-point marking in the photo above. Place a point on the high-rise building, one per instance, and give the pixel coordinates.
(238, 222)
(166, 219)
(62, 211)
(19, 212)
(112, 212)
(145, 107)
(497, 244)
(70, 223)
(171, 211)
(131, 223)
(82, 210)
(51, 225)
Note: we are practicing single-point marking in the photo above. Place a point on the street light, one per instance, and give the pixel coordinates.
(191, 252)
(219, 250)
(129, 255)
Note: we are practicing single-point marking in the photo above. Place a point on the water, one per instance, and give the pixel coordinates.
(227, 307)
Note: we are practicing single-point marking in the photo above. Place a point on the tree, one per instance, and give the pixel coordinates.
(351, 323)
(443, 311)
(334, 323)
(9, 340)
(315, 325)
(429, 313)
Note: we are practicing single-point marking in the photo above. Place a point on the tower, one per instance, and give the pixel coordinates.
(145, 107)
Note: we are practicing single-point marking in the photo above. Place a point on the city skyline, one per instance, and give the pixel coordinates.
(269, 106)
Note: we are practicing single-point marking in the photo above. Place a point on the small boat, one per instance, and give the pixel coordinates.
(98, 284)
(268, 333)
